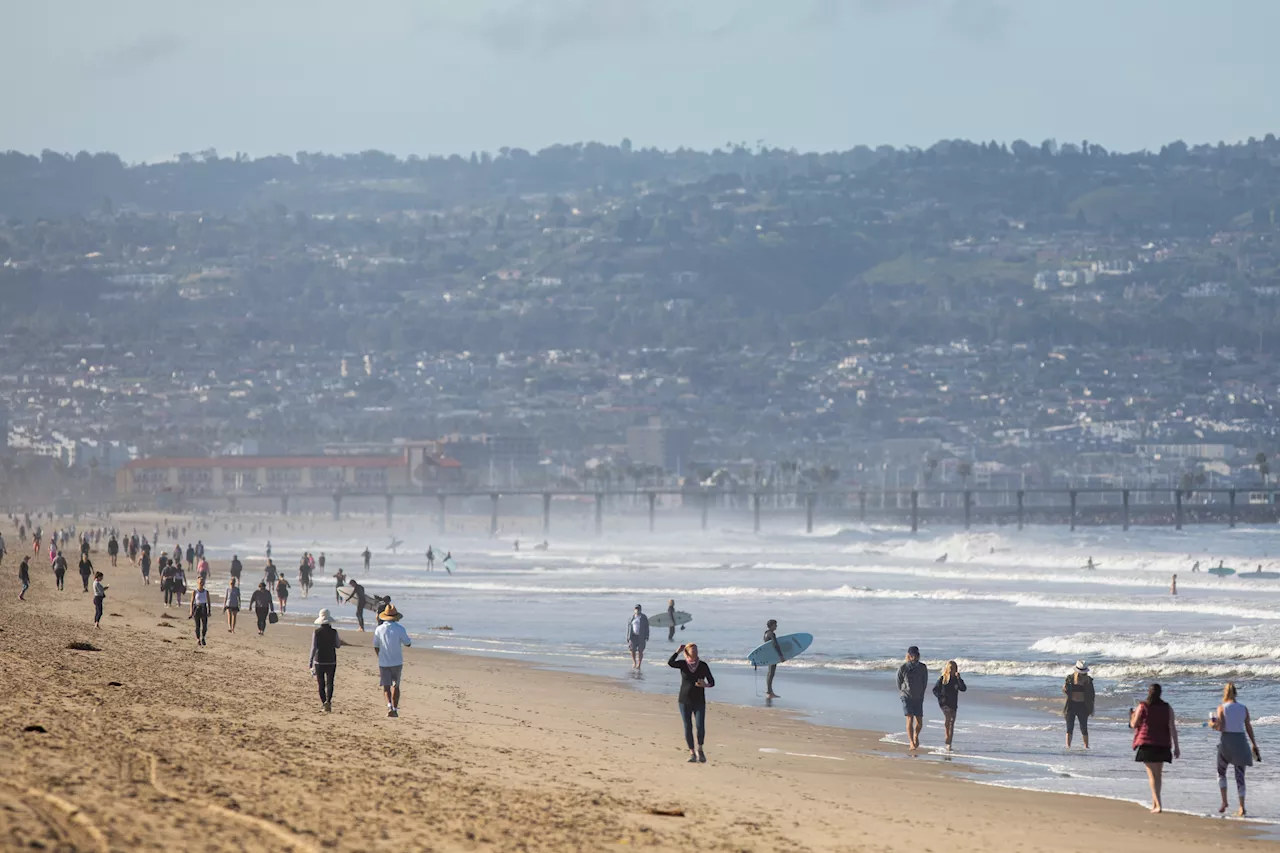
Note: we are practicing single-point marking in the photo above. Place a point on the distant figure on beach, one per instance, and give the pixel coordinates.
(361, 599)
(60, 572)
(200, 611)
(282, 593)
(268, 550)
(145, 567)
(86, 569)
(1173, 586)
(269, 573)
(1078, 706)
(1237, 746)
(304, 576)
(1220, 564)
(339, 581)
(231, 604)
(695, 678)
(1089, 565)
(671, 615)
(637, 636)
(368, 555)
(913, 681)
(24, 578)
(99, 595)
(260, 602)
(771, 636)
(321, 561)
(237, 568)
(431, 559)
(1155, 740)
(113, 549)
(389, 638)
(517, 545)
(324, 657)
(1259, 569)
(947, 691)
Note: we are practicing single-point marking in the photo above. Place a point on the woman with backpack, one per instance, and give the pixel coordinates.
(947, 691)
(260, 602)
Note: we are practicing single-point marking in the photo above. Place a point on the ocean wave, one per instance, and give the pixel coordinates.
(1058, 669)
(1231, 645)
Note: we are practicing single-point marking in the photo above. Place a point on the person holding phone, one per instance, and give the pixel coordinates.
(1237, 746)
(695, 678)
(1155, 740)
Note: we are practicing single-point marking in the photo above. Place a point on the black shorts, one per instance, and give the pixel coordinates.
(1148, 754)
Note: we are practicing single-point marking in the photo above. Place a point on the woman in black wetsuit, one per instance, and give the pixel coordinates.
(695, 678)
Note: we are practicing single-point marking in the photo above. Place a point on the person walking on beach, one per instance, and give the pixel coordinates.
(339, 581)
(637, 636)
(695, 678)
(324, 657)
(321, 562)
(86, 569)
(270, 573)
(947, 691)
(1078, 707)
(368, 555)
(113, 549)
(24, 577)
(260, 601)
(231, 604)
(146, 569)
(1155, 740)
(282, 593)
(60, 572)
(1236, 747)
(362, 601)
(200, 611)
(99, 595)
(771, 636)
(913, 681)
(304, 576)
(388, 639)
(671, 619)
(237, 568)
(431, 559)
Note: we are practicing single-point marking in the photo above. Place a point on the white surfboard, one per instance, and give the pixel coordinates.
(661, 620)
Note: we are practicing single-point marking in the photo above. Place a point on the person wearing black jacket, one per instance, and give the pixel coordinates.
(324, 657)
(262, 606)
(947, 691)
(695, 678)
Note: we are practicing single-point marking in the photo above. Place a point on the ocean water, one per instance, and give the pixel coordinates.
(1014, 609)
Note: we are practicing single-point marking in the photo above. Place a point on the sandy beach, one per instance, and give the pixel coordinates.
(152, 743)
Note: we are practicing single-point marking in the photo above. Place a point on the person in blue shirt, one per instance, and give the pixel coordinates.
(389, 638)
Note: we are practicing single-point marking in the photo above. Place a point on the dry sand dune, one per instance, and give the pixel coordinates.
(152, 743)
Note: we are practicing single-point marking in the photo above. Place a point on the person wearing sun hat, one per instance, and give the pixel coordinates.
(324, 657)
(389, 638)
(1078, 690)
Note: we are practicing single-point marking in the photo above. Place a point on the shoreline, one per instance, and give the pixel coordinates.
(494, 754)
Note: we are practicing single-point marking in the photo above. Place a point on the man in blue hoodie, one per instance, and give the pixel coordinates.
(913, 681)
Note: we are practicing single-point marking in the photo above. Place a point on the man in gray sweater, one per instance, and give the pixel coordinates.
(913, 681)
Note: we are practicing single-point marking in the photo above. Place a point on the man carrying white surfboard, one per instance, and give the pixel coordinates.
(637, 636)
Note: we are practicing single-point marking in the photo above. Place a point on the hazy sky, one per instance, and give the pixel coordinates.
(151, 78)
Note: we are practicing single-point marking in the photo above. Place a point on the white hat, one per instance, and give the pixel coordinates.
(324, 618)
(1081, 666)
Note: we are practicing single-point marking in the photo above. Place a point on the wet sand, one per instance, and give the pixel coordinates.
(153, 743)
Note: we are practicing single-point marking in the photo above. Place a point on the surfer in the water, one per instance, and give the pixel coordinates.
(361, 599)
(671, 615)
(941, 559)
(637, 636)
(431, 559)
(1089, 565)
(1173, 586)
(771, 636)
